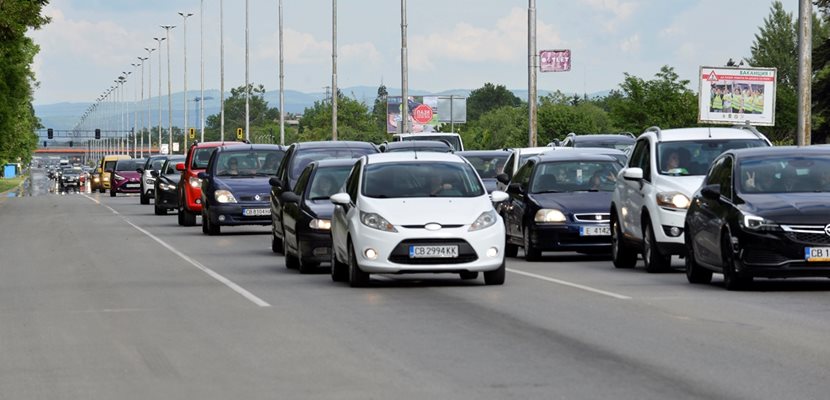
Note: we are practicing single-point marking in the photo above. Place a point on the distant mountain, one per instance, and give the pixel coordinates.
(66, 115)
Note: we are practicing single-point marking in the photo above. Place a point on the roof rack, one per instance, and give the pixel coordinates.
(747, 126)
(629, 134)
(656, 130)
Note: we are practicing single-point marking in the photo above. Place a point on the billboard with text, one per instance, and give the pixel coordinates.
(737, 95)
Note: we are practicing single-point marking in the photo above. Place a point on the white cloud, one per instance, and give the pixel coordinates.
(618, 9)
(631, 44)
(303, 48)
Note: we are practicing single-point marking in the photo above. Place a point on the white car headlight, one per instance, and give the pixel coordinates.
(149, 181)
(549, 215)
(673, 200)
(224, 196)
(755, 223)
(375, 221)
(167, 187)
(195, 182)
(485, 220)
(321, 224)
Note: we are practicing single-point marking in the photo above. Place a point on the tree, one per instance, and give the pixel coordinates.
(353, 121)
(262, 118)
(379, 109)
(500, 128)
(776, 45)
(489, 97)
(665, 101)
(821, 73)
(557, 120)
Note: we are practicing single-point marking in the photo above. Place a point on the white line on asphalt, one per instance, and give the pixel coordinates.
(213, 274)
(570, 284)
(91, 198)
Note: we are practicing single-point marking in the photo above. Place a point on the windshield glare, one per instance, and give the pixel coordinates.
(575, 176)
(605, 145)
(248, 163)
(328, 181)
(488, 166)
(421, 179)
(784, 175)
(694, 158)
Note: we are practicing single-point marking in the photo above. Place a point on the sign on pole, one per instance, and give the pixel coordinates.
(175, 147)
(555, 60)
(192, 133)
(239, 133)
(737, 95)
(165, 148)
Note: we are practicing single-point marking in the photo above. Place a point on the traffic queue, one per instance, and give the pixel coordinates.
(722, 199)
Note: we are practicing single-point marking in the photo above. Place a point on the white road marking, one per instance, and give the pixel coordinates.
(570, 284)
(213, 274)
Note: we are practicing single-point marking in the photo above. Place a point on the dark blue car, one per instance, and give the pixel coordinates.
(235, 188)
(559, 201)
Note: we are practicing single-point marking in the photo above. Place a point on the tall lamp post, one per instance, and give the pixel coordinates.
(159, 40)
(247, 81)
(334, 70)
(202, 68)
(282, 83)
(404, 73)
(135, 114)
(141, 132)
(167, 28)
(221, 70)
(184, 98)
(149, 103)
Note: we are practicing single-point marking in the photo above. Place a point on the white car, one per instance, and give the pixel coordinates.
(649, 203)
(414, 212)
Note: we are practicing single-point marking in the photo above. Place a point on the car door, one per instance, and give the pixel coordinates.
(276, 191)
(518, 201)
(509, 168)
(722, 207)
(702, 219)
(342, 213)
(634, 191)
(291, 210)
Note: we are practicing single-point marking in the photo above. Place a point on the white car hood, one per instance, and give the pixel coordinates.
(687, 185)
(421, 210)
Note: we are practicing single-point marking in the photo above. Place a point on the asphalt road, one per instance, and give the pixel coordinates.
(101, 299)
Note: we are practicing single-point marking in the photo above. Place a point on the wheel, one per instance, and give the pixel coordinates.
(531, 253)
(305, 266)
(357, 277)
(291, 261)
(495, 277)
(205, 227)
(212, 229)
(180, 216)
(101, 189)
(468, 275)
(510, 250)
(339, 271)
(188, 217)
(622, 255)
(144, 199)
(694, 272)
(112, 192)
(732, 280)
(654, 261)
(276, 243)
(158, 210)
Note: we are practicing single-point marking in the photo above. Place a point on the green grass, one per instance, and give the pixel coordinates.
(8, 184)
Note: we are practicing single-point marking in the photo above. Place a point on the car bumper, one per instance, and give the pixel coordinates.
(775, 255)
(669, 221)
(315, 246)
(122, 188)
(232, 214)
(392, 249)
(167, 199)
(566, 237)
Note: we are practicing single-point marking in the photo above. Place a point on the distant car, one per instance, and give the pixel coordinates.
(559, 202)
(419, 145)
(609, 141)
(488, 164)
(296, 158)
(165, 196)
(453, 139)
(416, 213)
(124, 177)
(517, 158)
(235, 187)
(153, 163)
(106, 166)
(190, 186)
(70, 179)
(762, 212)
(307, 213)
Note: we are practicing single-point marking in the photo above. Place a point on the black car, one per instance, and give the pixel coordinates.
(559, 201)
(488, 164)
(235, 188)
(437, 146)
(166, 179)
(153, 163)
(70, 179)
(608, 141)
(307, 211)
(297, 157)
(762, 212)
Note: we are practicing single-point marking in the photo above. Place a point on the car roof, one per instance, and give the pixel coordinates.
(406, 135)
(573, 156)
(404, 156)
(486, 153)
(245, 146)
(419, 143)
(622, 138)
(335, 162)
(330, 143)
(531, 150)
(778, 151)
(703, 133)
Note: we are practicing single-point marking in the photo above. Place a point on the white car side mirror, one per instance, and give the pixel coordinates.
(633, 174)
(342, 199)
(497, 196)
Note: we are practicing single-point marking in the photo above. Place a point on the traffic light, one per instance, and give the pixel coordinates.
(70, 143)
(192, 133)
(97, 133)
(50, 133)
(239, 134)
(44, 143)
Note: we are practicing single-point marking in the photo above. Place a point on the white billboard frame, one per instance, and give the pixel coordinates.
(718, 86)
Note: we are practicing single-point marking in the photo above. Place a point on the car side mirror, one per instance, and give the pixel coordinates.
(633, 174)
(342, 199)
(180, 166)
(154, 174)
(711, 192)
(275, 182)
(497, 196)
(503, 178)
(290, 197)
(139, 170)
(203, 176)
(515, 188)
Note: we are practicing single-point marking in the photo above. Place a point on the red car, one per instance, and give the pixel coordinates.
(190, 186)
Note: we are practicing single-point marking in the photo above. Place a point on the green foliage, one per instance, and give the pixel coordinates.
(776, 45)
(499, 128)
(555, 121)
(489, 97)
(379, 110)
(665, 101)
(262, 118)
(354, 122)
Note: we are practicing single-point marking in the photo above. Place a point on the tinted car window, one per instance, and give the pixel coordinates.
(637, 154)
(305, 157)
(109, 165)
(421, 179)
(488, 166)
(328, 181)
(452, 140)
(694, 158)
(201, 157)
(128, 165)
(784, 175)
(607, 144)
(575, 176)
(245, 163)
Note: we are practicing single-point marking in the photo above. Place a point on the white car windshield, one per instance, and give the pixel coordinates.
(421, 179)
(694, 158)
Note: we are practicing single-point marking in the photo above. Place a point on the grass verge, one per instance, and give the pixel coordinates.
(9, 184)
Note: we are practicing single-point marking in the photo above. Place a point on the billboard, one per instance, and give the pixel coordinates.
(555, 60)
(425, 112)
(737, 95)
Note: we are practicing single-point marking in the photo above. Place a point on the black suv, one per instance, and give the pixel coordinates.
(296, 158)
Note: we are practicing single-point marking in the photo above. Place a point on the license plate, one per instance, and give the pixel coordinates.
(132, 185)
(255, 212)
(817, 253)
(600, 230)
(433, 251)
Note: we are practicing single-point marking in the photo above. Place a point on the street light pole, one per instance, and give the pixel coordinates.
(184, 98)
(149, 103)
(282, 84)
(404, 73)
(167, 28)
(805, 64)
(202, 68)
(531, 72)
(142, 59)
(135, 115)
(247, 81)
(221, 70)
(159, 40)
(334, 70)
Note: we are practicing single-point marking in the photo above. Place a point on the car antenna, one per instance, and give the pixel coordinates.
(416, 154)
(710, 132)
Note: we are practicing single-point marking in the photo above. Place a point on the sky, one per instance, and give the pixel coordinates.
(452, 44)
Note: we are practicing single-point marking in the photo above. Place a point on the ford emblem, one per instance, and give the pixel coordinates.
(432, 226)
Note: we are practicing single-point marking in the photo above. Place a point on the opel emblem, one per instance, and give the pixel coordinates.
(257, 198)
(827, 229)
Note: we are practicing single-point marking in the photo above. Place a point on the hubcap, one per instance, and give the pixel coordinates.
(647, 246)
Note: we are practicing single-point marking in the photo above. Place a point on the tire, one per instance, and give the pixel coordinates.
(205, 228)
(112, 192)
(305, 266)
(212, 229)
(339, 271)
(101, 189)
(495, 277)
(158, 210)
(357, 277)
(180, 216)
(291, 261)
(511, 250)
(623, 256)
(732, 280)
(694, 272)
(468, 275)
(654, 261)
(143, 199)
(531, 253)
(188, 217)
(276, 243)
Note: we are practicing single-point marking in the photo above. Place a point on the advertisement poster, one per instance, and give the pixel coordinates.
(555, 60)
(737, 95)
(423, 113)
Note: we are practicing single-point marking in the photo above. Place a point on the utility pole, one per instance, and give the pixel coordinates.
(184, 98)
(135, 113)
(169, 95)
(159, 40)
(221, 71)
(142, 59)
(282, 83)
(247, 81)
(531, 71)
(202, 68)
(404, 73)
(334, 70)
(805, 68)
(149, 103)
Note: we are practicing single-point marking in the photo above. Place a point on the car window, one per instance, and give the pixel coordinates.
(156, 164)
(575, 176)
(786, 174)
(128, 165)
(509, 165)
(487, 166)
(637, 154)
(421, 179)
(694, 157)
(247, 163)
(452, 140)
(201, 157)
(305, 157)
(327, 181)
(302, 181)
(523, 174)
(109, 165)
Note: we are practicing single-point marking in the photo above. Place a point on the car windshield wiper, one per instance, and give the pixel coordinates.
(548, 191)
(320, 198)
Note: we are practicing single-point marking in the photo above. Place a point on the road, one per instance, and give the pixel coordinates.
(101, 299)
